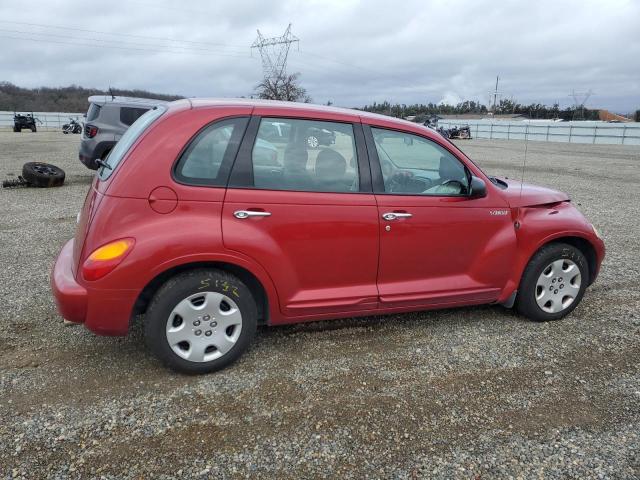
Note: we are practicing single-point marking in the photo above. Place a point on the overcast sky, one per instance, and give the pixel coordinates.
(350, 52)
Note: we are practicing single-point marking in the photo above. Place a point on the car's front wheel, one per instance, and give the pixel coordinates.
(553, 282)
(200, 321)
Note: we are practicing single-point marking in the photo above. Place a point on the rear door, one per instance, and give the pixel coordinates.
(306, 213)
(438, 246)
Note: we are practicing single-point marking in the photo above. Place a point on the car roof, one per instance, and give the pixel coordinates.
(125, 101)
(295, 107)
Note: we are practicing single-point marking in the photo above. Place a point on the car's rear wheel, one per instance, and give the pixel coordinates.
(200, 321)
(553, 283)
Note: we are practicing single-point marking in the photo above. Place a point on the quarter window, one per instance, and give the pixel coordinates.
(128, 115)
(128, 139)
(94, 111)
(305, 155)
(414, 165)
(202, 161)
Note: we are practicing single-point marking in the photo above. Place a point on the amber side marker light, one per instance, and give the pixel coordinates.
(104, 259)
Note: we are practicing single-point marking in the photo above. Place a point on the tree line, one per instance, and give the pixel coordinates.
(63, 99)
(74, 99)
(533, 110)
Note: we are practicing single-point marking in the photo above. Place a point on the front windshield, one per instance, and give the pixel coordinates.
(128, 139)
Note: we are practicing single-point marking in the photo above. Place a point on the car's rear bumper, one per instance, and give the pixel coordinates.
(105, 312)
(90, 150)
(71, 298)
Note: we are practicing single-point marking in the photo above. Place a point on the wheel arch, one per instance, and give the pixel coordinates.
(247, 277)
(587, 249)
(579, 242)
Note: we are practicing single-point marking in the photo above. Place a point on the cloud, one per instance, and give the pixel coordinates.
(350, 52)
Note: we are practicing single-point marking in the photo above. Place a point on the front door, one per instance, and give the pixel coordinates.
(300, 204)
(438, 247)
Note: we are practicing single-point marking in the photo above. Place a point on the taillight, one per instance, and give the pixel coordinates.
(104, 259)
(90, 130)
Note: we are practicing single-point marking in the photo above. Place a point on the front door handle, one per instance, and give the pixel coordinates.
(395, 215)
(242, 214)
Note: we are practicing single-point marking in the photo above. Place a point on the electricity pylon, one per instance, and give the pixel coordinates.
(579, 99)
(274, 52)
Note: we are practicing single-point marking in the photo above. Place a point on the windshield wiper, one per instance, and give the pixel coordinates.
(103, 164)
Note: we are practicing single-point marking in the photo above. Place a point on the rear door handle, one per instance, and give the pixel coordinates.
(242, 214)
(395, 215)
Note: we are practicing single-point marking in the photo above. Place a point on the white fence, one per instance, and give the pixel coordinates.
(572, 132)
(50, 120)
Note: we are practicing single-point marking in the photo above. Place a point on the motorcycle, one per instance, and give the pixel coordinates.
(72, 127)
(463, 133)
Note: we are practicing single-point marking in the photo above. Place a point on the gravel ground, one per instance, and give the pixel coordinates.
(466, 393)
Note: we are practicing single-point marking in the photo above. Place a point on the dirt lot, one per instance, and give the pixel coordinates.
(466, 393)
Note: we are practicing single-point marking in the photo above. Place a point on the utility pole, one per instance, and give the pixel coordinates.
(274, 52)
(495, 96)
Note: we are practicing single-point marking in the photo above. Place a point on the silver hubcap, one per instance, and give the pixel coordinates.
(558, 286)
(312, 142)
(204, 326)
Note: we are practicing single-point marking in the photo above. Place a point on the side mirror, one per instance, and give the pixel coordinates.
(477, 188)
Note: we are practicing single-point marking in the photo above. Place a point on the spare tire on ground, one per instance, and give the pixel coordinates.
(42, 174)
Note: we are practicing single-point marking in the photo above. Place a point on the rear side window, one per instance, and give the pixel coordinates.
(128, 115)
(207, 160)
(128, 139)
(93, 112)
(305, 155)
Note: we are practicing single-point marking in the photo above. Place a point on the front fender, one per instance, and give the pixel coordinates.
(540, 225)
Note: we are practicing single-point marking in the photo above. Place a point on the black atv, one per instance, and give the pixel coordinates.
(24, 121)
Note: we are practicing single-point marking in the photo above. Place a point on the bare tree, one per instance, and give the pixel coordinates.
(282, 87)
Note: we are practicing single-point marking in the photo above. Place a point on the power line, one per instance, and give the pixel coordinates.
(76, 44)
(332, 60)
(173, 47)
(62, 27)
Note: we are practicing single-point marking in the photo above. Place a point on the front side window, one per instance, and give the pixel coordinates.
(305, 155)
(201, 162)
(414, 165)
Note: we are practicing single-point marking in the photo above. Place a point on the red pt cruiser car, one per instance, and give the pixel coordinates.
(214, 216)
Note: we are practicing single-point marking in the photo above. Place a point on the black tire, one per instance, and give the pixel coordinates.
(526, 303)
(180, 287)
(43, 174)
(16, 129)
(34, 129)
